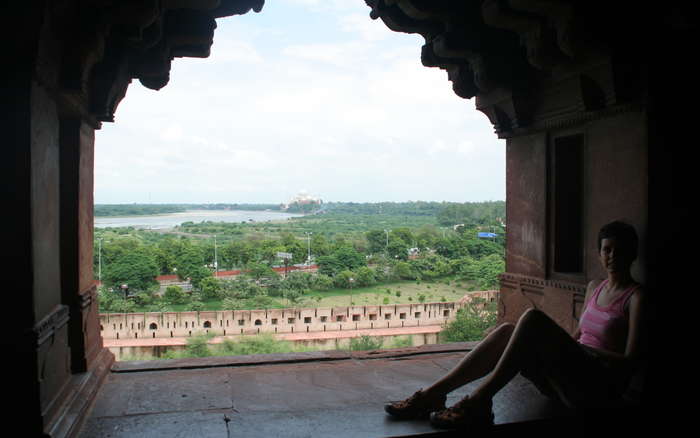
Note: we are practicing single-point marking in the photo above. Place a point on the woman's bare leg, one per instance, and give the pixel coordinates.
(535, 339)
(477, 363)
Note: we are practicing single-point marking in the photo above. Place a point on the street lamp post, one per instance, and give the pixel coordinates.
(351, 280)
(216, 263)
(99, 262)
(308, 247)
(387, 241)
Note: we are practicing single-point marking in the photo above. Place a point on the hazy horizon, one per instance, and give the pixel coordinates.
(281, 202)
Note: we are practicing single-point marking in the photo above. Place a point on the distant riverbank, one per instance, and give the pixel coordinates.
(171, 220)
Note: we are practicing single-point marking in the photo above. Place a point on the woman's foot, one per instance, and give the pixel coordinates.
(464, 413)
(417, 406)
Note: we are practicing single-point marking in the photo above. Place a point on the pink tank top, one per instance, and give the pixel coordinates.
(605, 327)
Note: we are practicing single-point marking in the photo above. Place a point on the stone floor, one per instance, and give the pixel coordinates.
(337, 394)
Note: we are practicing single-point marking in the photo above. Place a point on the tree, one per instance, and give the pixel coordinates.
(210, 288)
(343, 258)
(238, 253)
(365, 276)
(490, 268)
(190, 264)
(257, 270)
(322, 282)
(349, 257)
(343, 279)
(404, 271)
(320, 245)
(403, 234)
(136, 268)
(175, 295)
(376, 240)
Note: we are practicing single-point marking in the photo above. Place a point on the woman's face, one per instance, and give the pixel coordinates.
(614, 257)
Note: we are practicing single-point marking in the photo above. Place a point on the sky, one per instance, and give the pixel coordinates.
(307, 95)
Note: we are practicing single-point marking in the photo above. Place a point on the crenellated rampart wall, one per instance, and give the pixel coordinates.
(292, 320)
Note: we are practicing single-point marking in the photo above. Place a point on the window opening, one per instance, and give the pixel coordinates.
(566, 187)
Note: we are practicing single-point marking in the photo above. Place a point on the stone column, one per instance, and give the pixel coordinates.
(35, 342)
(77, 140)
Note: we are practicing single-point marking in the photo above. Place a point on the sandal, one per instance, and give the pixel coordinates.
(464, 413)
(417, 406)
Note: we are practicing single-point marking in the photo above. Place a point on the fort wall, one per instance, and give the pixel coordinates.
(291, 320)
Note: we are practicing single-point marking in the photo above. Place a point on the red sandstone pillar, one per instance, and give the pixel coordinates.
(77, 140)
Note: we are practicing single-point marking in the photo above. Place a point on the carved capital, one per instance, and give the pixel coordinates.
(87, 297)
(47, 327)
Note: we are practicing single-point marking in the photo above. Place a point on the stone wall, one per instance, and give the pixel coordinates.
(293, 320)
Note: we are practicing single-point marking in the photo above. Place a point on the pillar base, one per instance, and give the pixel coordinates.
(78, 397)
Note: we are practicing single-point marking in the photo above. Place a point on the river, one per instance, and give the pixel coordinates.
(170, 220)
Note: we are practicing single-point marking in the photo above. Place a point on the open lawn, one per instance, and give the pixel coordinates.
(400, 292)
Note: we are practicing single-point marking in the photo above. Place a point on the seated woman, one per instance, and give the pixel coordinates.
(590, 368)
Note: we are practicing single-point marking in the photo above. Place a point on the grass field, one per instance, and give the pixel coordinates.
(400, 292)
(403, 292)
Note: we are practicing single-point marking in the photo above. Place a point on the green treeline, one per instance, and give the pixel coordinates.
(352, 250)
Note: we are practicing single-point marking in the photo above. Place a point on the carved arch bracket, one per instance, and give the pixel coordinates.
(107, 44)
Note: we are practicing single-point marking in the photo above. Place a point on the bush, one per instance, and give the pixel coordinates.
(258, 302)
(175, 295)
(210, 288)
(144, 299)
(386, 300)
(121, 305)
(403, 342)
(470, 322)
(365, 342)
(365, 276)
(259, 344)
(322, 282)
(197, 346)
(342, 280)
(197, 306)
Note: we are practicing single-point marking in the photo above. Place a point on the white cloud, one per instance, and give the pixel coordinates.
(171, 132)
(351, 115)
(368, 30)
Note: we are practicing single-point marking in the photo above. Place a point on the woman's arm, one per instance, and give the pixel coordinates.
(590, 288)
(634, 347)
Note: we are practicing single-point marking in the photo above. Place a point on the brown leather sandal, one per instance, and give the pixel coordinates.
(464, 413)
(417, 406)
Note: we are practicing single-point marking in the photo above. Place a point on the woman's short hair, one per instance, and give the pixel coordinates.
(623, 233)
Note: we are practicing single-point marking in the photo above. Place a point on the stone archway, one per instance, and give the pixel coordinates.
(532, 66)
